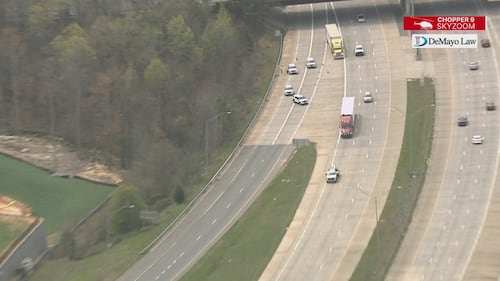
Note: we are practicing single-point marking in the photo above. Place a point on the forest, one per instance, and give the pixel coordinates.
(135, 80)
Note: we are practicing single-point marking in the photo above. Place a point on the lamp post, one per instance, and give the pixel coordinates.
(108, 223)
(376, 215)
(409, 192)
(207, 123)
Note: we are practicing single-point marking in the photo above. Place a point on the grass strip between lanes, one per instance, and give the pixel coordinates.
(244, 251)
(408, 182)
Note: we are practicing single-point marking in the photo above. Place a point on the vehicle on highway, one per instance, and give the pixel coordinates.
(347, 117)
(367, 97)
(474, 65)
(334, 41)
(310, 63)
(359, 50)
(462, 121)
(477, 139)
(288, 91)
(490, 106)
(292, 69)
(485, 43)
(300, 99)
(332, 174)
(361, 18)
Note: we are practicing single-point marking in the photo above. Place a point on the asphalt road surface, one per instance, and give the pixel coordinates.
(249, 172)
(326, 237)
(442, 247)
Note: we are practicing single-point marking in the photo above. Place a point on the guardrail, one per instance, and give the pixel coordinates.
(223, 166)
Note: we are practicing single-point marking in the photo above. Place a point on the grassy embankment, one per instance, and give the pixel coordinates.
(244, 251)
(407, 185)
(59, 201)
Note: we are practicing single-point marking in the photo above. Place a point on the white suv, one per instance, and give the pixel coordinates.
(288, 90)
(310, 63)
(292, 69)
(300, 99)
(359, 51)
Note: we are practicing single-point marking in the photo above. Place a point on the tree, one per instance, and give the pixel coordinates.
(44, 19)
(220, 42)
(179, 195)
(127, 87)
(124, 208)
(75, 57)
(13, 47)
(156, 79)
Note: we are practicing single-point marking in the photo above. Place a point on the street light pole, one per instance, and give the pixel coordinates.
(207, 123)
(108, 223)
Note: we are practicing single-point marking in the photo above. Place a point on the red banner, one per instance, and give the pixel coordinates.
(445, 23)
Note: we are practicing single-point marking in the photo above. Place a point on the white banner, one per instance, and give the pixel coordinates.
(444, 41)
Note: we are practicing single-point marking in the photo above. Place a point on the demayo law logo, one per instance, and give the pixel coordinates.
(444, 41)
(420, 41)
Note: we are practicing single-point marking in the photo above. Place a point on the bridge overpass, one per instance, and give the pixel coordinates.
(299, 2)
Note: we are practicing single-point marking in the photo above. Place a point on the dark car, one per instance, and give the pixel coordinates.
(462, 121)
(485, 43)
(490, 106)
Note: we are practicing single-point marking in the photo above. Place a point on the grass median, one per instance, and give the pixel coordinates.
(407, 185)
(244, 251)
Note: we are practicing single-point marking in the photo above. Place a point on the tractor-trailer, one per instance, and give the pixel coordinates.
(347, 117)
(334, 41)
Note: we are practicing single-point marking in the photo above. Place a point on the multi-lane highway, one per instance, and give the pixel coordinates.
(334, 222)
(264, 151)
(326, 239)
(450, 218)
(244, 178)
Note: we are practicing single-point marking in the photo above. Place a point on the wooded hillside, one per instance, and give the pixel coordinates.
(134, 79)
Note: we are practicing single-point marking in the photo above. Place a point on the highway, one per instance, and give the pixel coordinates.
(322, 236)
(334, 222)
(264, 151)
(239, 185)
(450, 218)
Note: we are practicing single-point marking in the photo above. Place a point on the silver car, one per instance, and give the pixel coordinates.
(310, 63)
(300, 99)
(292, 69)
(288, 91)
(368, 97)
(474, 65)
(477, 139)
(359, 50)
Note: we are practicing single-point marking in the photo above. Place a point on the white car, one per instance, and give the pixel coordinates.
(477, 139)
(359, 50)
(361, 18)
(368, 97)
(332, 174)
(474, 65)
(310, 63)
(292, 69)
(288, 91)
(300, 99)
